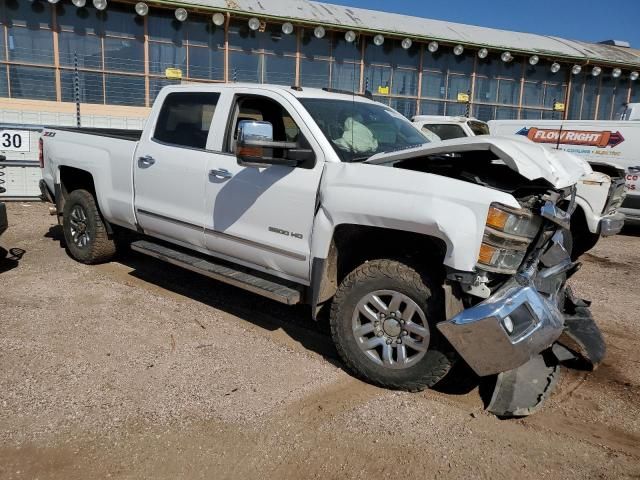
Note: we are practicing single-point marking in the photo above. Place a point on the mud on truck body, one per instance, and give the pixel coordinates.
(423, 254)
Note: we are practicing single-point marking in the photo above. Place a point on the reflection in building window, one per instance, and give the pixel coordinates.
(589, 97)
(111, 48)
(91, 87)
(406, 107)
(613, 95)
(124, 55)
(32, 82)
(245, 67)
(166, 55)
(498, 82)
(267, 56)
(157, 84)
(124, 90)
(279, 70)
(444, 75)
(541, 89)
(315, 61)
(88, 49)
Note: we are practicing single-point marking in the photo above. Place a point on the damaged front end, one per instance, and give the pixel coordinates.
(527, 321)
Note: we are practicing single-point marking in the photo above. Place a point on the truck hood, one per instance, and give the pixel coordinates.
(532, 161)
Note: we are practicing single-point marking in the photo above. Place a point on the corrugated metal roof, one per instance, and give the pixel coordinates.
(423, 28)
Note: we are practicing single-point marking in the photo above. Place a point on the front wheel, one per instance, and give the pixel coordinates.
(84, 230)
(383, 324)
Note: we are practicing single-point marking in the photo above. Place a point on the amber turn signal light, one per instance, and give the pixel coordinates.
(486, 254)
(497, 218)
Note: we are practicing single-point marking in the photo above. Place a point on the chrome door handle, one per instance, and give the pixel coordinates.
(146, 161)
(220, 173)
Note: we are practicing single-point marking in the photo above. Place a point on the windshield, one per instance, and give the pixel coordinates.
(478, 128)
(359, 130)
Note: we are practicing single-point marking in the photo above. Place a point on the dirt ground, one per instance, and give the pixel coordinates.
(138, 369)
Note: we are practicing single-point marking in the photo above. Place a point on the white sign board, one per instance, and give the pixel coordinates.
(15, 140)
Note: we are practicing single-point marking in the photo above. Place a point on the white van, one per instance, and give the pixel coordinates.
(601, 143)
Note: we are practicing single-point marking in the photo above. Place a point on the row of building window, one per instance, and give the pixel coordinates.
(122, 59)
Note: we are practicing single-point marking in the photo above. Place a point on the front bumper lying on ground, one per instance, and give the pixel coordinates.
(506, 330)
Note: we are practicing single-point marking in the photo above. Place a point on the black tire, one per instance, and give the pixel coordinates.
(582, 239)
(99, 248)
(391, 275)
(582, 243)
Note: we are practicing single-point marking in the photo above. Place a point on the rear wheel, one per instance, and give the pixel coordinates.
(84, 230)
(383, 324)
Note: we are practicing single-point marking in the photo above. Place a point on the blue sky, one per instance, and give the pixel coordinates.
(587, 20)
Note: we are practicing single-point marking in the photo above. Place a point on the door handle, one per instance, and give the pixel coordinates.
(220, 173)
(146, 161)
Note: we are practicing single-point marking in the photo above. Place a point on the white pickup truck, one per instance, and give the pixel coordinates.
(608, 146)
(424, 253)
(599, 194)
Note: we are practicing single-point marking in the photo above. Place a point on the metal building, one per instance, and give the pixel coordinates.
(125, 52)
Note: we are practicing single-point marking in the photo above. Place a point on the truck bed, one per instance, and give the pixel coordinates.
(119, 133)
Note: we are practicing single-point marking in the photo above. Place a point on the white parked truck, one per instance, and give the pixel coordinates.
(609, 146)
(424, 253)
(599, 193)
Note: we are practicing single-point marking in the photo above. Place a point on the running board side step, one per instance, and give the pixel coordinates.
(262, 284)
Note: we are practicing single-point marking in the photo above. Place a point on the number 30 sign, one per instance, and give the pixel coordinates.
(14, 140)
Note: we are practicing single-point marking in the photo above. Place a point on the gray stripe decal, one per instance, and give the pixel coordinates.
(226, 236)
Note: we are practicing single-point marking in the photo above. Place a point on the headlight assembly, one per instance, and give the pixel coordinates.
(521, 223)
(507, 236)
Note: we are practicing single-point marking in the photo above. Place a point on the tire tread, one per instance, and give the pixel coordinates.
(102, 248)
(391, 269)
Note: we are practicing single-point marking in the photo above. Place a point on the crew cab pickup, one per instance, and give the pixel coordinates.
(424, 254)
(599, 194)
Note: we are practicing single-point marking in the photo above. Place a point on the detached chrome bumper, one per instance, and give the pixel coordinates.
(506, 330)
(611, 224)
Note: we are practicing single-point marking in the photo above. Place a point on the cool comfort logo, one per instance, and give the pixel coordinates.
(573, 137)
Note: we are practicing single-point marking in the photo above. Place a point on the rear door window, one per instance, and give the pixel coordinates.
(478, 128)
(185, 119)
(445, 131)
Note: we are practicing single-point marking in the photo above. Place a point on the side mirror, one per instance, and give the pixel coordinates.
(255, 146)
